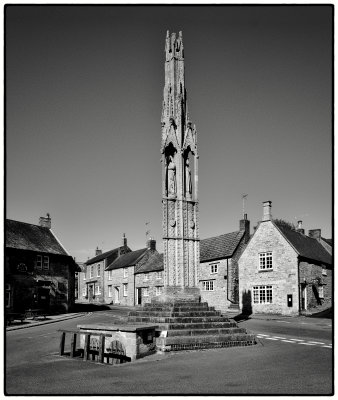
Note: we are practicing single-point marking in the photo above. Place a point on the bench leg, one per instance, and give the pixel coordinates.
(101, 349)
(62, 343)
(86, 347)
(73, 345)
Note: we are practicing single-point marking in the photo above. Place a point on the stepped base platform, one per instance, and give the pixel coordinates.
(190, 325)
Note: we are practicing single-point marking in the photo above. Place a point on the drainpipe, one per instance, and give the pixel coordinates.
(134, 287)
(299, 290)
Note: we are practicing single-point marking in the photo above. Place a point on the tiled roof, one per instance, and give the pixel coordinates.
(154, 263)
(307, 247)
(126, 260)
(24, 236)
(328, 241)
(106, 254)
(222, 246)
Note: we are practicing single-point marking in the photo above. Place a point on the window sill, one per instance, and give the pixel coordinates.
(265, 270)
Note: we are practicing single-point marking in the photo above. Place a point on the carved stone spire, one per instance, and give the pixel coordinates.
(179, 177)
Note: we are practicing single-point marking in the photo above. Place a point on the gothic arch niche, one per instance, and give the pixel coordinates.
(189, 173)
(171, 178)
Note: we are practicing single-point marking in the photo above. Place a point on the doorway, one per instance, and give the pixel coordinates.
(139, 296)
(117, 294)
(303, 297)
(90, 292)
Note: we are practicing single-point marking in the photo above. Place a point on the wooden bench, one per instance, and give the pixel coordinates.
(10, 317)
(86, 352)
(35, 313)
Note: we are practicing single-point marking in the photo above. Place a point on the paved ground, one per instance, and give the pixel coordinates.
(280, 364)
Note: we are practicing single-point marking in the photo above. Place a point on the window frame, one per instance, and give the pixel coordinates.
(265, 261)
(97, 290)
(91, 272)
(125, 290)
(145, 292)
(208, 286)
(39, 262)
(110, 291)
(261, 294)
(125, 272)
(158, 290)
(146, 277)
(98, 270)
(45, 264)
(8, 295)
(110, 275)
(159, 274)
(321, 291)
(213, 269)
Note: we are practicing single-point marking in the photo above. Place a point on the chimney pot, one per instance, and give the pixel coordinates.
(45, 222)
(98, 251)
(300, 228)
(124, 240)
(315, 233)
(267, 211)
(151, 244)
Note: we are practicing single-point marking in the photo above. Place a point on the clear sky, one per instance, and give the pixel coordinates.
(84, 89)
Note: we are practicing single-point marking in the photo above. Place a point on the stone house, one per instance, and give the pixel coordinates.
(39, 272)
(93, 278)
(218, 270)
(283, 271)
(122, 284)
(149, 279)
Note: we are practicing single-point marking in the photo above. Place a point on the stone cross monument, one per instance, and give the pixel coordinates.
(179, 181)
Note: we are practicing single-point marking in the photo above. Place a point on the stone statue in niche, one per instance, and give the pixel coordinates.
(171, 183)
(188, 182)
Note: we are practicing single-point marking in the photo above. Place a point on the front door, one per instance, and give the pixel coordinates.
(43, 298)
(139, 296)
(90, 292)
(303, 297)
(117, 294)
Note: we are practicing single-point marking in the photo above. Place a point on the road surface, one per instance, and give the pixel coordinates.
(274, 366)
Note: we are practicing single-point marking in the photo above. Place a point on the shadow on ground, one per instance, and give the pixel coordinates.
(322, 314)
(81, 307)
(242, 317)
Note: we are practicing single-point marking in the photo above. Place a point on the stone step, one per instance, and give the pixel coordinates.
(183, 320)
(194, 326)
(177, 309)
(176, 343)
(143, 313)
(210, 331)
(178, 303)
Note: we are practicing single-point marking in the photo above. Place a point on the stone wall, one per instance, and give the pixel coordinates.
(283, 277)
(150, 284)
(311, 276)
(117, 283)
(23, 276)
(218, 297)
(88, 292)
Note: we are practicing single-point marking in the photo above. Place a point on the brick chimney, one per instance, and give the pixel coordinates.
(124, 240)
(244, 225)
(151, 244)
(97, 251)
(267, 211)
(300, 227)
(46, 222)
(315, 233)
